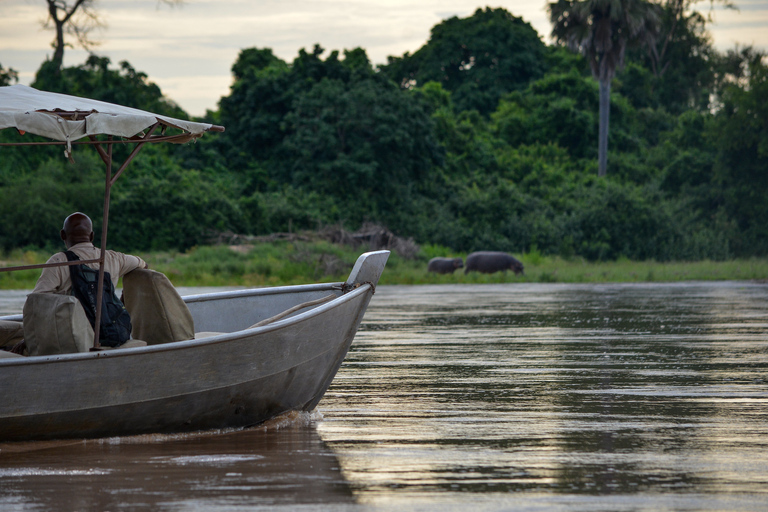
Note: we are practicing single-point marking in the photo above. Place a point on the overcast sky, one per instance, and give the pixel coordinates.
(189, 50)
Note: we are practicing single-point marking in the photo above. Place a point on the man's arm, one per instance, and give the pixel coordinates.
(128, 262)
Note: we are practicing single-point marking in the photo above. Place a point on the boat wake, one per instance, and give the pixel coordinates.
(285, 421)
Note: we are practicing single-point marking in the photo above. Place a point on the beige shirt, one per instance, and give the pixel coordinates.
(57, 280)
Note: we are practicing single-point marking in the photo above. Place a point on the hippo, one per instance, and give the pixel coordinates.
(489, 262)
(444, 265)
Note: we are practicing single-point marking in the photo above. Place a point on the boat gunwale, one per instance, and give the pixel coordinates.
(210, 340)
(248, 292)
(252, 292)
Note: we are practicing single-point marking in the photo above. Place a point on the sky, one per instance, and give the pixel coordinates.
(189, 50)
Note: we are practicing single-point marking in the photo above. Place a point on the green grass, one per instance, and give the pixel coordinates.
(557, 270)
(285, 263)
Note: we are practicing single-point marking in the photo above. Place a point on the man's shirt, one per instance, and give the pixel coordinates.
(57, 279)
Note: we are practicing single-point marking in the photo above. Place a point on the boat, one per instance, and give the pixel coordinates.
(238, 377)
(255, 354)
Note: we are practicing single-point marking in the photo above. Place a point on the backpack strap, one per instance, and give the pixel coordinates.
(75, 274)
(78, 287)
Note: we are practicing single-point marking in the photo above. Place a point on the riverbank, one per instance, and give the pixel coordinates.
(282, 263)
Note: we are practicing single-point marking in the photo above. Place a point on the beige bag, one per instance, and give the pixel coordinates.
(55, 324)
(158, 313)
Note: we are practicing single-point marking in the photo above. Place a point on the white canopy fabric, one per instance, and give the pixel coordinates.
(33, 111)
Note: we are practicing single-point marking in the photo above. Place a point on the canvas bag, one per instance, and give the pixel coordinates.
(158, 313)
(55, 324)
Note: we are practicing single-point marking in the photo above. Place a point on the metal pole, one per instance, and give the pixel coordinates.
(104, 226)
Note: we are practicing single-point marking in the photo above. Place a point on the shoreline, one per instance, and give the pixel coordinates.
(288, 263)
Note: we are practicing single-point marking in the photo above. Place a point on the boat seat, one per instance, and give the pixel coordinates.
(11, 333)
(206, 334)
(128, 344)
(158, 313)
(4, 354)
(55, 324)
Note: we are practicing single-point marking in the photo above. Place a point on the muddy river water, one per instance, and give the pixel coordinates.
(540, 397)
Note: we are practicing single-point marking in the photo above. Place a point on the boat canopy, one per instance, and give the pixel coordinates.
(68, 118)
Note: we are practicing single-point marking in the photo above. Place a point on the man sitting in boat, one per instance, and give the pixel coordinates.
(77, 235)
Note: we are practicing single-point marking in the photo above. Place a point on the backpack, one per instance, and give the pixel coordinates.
(115, 328)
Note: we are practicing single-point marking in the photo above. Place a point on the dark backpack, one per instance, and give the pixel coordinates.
(115, 326)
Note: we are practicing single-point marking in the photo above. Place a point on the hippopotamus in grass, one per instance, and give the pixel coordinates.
(489, 262)
(444, 265)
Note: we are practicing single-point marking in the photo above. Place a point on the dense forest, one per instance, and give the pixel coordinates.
(483, 139)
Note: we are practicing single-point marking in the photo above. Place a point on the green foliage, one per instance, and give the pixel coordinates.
(361, 142)
(559, 109)
(8, 76)
(429, 251)
(617, 220)
(481, 140)
(287, 210)
(253, 112)
(281, 263)
(677, 71)
(741, 131)
(478, 59)
(331, 127)
(94, 79)
(33, 206)
(285, 263)
(180, 210)
(601, 30)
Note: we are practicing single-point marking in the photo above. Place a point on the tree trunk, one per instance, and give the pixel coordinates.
(58, 26)
(56, 7)
(58, 53)
(605, 110)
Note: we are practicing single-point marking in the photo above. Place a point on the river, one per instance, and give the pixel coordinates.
(531, 397)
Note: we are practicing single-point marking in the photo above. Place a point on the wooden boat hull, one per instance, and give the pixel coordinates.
(232, 379)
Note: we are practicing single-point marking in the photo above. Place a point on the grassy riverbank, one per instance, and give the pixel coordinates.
(284, 263)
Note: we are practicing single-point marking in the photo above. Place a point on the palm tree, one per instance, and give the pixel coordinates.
(601, 31)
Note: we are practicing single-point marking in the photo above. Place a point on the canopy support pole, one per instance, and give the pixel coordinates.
(107, 157)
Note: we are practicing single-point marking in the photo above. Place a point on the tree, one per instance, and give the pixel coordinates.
(679, 22)
(94, 79)
(478, 59)
(76, 18)
(364, 142)
(740, 134)
(333, 127)
(602, 30)
(558, 108)
(8, 76)
(681, 63)
(259, 99)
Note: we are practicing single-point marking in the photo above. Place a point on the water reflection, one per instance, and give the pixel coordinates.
(652, 393)
(283, 464)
